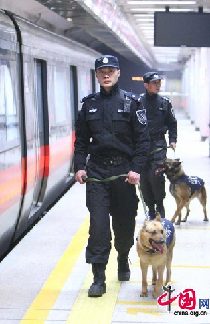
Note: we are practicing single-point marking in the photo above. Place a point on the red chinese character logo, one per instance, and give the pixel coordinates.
(187, 299)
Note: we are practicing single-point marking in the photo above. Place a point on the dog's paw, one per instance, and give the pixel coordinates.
(177, 223)
(144, 294)
(206, 220)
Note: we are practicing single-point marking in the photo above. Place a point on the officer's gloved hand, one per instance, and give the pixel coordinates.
(133, 177)
(80, 176)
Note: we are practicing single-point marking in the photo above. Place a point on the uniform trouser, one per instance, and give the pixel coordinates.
(152, 187)
(116, 198)
(151, 184)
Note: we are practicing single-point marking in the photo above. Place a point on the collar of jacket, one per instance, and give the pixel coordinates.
(152, 96)
(114, 90)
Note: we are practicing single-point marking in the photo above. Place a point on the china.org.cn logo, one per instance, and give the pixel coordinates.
(187, 302)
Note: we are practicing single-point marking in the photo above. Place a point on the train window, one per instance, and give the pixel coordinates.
(74, 92)
(59, 100)
(39, 99)
(9, 119)
(85, 85)
(61, 80)
(93, 80)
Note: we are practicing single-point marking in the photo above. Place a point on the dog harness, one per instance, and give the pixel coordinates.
(169, 229)
(194, 182)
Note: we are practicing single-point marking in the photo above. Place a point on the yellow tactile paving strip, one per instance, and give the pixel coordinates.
(38, 312)
(97, 310)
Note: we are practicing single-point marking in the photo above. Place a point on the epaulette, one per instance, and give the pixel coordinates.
(131, 95)
(140, 97)
(167, 99)
(92, 95)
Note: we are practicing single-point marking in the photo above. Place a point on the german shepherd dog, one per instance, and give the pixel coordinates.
(155, 243)
(184, 188)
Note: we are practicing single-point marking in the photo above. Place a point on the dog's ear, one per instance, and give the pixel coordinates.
(158, 217)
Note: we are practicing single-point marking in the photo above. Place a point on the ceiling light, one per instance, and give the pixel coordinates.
(144, 15)
(158, 9)
(145, 19)
(147, 9)
(161, 2)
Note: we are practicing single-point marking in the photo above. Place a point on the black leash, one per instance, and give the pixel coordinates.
(160, 149)
(112, 178)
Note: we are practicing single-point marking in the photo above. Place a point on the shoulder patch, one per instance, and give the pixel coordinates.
(141, 115)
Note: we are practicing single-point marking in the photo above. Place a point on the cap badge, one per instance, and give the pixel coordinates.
(105, 60)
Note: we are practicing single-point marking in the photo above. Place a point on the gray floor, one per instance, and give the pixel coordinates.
(45, 278)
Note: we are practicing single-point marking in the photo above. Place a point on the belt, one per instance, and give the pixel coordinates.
(109, 161)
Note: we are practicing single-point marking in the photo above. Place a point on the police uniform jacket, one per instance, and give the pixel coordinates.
(160, 117)
(111, 124)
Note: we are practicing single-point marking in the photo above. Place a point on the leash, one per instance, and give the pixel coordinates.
(160, 149)
(143, 202)
(112, 178)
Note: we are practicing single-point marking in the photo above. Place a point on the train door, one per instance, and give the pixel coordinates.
(42, 135)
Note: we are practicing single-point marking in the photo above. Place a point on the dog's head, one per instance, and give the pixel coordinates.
(152, 236)
(171, 167)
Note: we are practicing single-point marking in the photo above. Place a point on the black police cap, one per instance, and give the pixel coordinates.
(107, 61)
(151, 76)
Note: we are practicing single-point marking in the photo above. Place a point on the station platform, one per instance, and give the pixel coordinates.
(45, 278)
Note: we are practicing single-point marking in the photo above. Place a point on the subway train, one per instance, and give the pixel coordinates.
(43, 76)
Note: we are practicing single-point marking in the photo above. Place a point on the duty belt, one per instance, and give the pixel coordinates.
(108, 161)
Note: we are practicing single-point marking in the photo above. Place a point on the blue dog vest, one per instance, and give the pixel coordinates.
(169, 229)
(194, 182)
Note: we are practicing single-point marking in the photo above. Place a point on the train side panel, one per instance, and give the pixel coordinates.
(37, 154)
(10, 141)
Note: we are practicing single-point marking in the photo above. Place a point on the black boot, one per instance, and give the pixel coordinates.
(123, 267)
(151, 213)
(98, 287)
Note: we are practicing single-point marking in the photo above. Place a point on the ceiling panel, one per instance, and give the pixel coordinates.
(87, 28)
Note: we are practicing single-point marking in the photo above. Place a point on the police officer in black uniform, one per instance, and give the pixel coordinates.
(111, 131)
(161, 119)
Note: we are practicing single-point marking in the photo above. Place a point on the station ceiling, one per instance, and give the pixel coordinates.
(126, 26)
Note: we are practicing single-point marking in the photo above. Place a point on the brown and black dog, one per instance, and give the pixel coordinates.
(184, 188)
(155, 244)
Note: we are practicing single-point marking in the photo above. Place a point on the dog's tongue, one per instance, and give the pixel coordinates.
(157, 246)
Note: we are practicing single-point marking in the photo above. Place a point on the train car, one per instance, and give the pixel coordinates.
(43, 76)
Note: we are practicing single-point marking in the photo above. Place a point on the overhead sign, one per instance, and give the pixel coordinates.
(172, 29)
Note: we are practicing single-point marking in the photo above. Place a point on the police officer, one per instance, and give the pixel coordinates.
(112, 130)
(161, 120)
